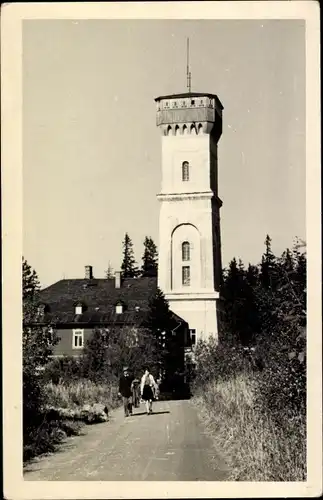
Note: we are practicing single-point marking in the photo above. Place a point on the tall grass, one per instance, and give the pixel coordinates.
(254, 447)
(80, 393)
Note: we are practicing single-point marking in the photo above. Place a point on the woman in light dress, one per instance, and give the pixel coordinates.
(148, 387)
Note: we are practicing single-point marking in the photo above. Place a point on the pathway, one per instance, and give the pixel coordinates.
(169, 445)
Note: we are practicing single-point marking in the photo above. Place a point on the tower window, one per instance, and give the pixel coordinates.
(185, 251)
(185, 171)
(186, 276)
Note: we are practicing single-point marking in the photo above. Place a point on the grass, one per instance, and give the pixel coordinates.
(254, 448)
(80, 393)
(47, 432)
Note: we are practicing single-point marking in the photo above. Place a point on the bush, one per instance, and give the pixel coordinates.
(219, 362)
(65, 369)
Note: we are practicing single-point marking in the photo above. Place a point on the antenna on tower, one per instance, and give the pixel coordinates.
(188, 73)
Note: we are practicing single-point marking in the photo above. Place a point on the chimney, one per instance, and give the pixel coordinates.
(88, 272)
(118, 279)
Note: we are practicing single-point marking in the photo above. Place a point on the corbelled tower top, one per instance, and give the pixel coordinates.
(191, 112)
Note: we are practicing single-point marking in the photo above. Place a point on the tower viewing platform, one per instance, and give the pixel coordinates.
(191, 112)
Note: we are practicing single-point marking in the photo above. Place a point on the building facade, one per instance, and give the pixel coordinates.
(189, 267)
(76, 307)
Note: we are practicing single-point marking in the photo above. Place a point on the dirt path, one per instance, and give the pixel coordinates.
(169, 445)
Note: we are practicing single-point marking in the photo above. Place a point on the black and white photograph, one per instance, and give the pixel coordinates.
(166, 212)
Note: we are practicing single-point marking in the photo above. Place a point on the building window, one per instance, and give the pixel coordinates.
(78, 339)
(78, 309)
(185, 251)
(201, 102)
(193, 336)
(192, 102)
(185, 171)
(186, 276)
(166, 105)
(119, 308)
(184, 104)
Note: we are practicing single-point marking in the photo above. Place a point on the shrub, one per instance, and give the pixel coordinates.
(61, 370)
(219, 362)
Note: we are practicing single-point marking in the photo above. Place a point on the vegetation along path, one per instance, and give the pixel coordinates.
(171, 444)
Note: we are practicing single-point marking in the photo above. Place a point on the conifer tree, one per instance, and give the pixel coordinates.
(150, 256)
(109, 273)
(30, 281)
(128, 266)
(159, 315)
(268, 266)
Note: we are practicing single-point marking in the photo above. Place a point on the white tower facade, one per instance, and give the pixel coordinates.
(189, 265)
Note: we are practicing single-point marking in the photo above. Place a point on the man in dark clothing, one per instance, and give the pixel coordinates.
(125, 390)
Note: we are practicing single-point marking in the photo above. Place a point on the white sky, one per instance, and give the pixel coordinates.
(92, 149)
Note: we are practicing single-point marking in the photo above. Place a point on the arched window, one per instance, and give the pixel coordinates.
(185, 251)
(185, 171)
(169, 130)
(177, 130)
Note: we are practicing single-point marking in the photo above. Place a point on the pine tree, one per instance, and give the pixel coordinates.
(159, 315)
(109, 273)
(150, 256)
(128, 266)
(159, 323)
(30, 281)
(268, 266)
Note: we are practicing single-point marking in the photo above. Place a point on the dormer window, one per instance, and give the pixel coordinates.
(119, 308)
(78, 309)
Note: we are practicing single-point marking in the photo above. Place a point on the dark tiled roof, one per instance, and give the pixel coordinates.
(99, 296)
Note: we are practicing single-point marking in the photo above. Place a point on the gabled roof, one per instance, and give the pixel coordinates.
(99, 296)
(98, 293)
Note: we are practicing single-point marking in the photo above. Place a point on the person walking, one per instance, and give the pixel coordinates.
(125, 390)
(136, 392)
(147, 388)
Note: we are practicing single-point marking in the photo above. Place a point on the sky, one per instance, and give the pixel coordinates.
(92, 151)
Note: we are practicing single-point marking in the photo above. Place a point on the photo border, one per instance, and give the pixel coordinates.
(12, 209)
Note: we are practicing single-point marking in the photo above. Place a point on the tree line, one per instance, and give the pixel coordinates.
(129, 267)
(263, 327)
